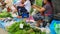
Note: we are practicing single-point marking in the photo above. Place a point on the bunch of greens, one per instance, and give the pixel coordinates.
(15, 29)
(5, 14)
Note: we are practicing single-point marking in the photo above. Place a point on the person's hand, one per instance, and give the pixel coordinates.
(33, 6)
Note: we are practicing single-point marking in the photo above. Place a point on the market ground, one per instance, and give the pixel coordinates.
(3, 32)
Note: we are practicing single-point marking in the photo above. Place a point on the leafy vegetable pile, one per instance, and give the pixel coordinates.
(5, 14)
(39, 2)
(15, 29)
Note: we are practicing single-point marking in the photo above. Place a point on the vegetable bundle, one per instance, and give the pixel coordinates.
(5, 14)
(15, 29)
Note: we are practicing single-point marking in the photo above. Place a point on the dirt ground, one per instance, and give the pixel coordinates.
(3, 31)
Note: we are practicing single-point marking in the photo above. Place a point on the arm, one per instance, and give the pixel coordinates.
(40, 9)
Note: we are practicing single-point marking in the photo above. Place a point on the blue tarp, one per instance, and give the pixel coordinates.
(52, 28)
(2, 24)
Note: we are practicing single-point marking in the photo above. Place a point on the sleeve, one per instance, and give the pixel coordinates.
(25, 2)
(46, 6)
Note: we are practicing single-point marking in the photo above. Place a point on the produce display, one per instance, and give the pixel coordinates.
(27, 29)
(5, 14)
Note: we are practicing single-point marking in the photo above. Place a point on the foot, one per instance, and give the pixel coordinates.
(19, 16)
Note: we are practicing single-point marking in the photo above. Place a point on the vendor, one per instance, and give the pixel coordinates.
(23, 6)
(45, 11)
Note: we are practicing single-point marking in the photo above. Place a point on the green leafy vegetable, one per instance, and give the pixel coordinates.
(15, 29)
(5, 14)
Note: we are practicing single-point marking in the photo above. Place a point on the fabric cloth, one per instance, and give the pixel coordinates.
(38, 16)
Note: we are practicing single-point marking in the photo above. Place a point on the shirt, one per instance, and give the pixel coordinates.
(28, 5)
(48, 10)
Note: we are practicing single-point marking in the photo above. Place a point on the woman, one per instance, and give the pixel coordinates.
(45, 11)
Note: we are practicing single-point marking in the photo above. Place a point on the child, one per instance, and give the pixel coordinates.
(23, 6)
